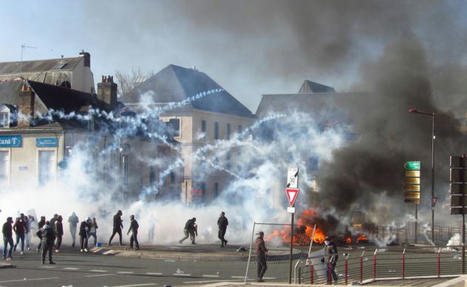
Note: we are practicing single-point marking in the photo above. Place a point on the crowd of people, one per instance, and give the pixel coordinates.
(50, 233)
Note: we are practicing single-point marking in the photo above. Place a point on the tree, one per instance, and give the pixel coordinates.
(127, 82)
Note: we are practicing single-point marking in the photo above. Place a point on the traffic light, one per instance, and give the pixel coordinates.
(458, 182)
(412, 182)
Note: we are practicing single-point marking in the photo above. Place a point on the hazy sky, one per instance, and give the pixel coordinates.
(249, 47)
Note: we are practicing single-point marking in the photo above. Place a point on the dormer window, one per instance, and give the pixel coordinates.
(4, 116)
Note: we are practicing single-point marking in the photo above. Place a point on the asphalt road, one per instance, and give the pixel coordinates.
(76, 269)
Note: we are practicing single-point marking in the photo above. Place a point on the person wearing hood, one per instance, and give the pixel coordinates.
(20, 230)
(222, 223)
(40, 224)
(190, 230)
(117, 227)
(7, 231)
(48, 239)
(330, 259)
(134, 232)
(73, 223)
(58, 232)
(83, 236)
(261, 250)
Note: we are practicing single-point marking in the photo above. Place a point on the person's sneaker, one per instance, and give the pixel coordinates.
(9, 258)
(86, 250)
(51, 262)
(56, 250)
(82, 250)
(21, 253)
(29, 248)
(260, 280)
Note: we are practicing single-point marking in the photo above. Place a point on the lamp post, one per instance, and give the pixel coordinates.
(433, 199)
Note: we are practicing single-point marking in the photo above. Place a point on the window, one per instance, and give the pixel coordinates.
(203, 126)
(216, 130)
(228, 131)
(174, 127)
(4, 116)
(216, 189)
(47, 166)
(4, 167)
(239, 129)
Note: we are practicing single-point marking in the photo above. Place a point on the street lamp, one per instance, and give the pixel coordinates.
(433, 198)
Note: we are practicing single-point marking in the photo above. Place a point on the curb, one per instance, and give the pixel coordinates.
(6, 265)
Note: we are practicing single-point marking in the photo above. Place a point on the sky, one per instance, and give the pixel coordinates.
(249, 47)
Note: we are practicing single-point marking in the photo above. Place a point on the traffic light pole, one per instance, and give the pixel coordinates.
(462, 190)
(291, 247)
(416, 222)
(433, 178)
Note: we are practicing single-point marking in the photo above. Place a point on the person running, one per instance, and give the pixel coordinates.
(58, 233)
(20, 230)
(73, 223)
(7, 231)
(83, 236)
(93, 229)
(117, 227)
(222, 223)
(40, 225)
(190, 230)
(48, 239)
(261, 251)
(134, 232)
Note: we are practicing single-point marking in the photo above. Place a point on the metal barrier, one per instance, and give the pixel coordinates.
(392, 263)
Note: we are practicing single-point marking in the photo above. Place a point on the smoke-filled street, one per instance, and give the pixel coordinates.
(193, 142)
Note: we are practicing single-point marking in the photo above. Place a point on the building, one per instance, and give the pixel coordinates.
(205, 114)
(43, 125)
(72, 72)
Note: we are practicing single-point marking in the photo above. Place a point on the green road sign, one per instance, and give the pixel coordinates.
(412, 165)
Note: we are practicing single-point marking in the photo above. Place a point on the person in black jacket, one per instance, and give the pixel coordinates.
(83, 235)
(134, 232)
(58, 232)
(20, 230)
(7, 238)
(48, 239)
(190, 230)
(40, 224)
(118, 225)
(222, 223)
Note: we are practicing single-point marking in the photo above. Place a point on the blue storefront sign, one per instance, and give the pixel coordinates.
(46, 142)
(11, 141)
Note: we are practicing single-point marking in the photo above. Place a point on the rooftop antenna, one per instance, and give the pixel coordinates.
(24, 46)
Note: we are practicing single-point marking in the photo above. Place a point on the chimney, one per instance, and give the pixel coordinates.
(25, 106)
(87, 58)
(107, 91)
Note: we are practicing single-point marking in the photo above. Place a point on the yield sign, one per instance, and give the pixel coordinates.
(291, 195)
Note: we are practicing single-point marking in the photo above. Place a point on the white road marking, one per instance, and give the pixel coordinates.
(98, 270)
(268, 278)
(97, 275)
(125, 272)
(181, 274)
(70, 268)
(154, 273)
(136, 285)
(210, 276)
(30, 279)
(238, 277)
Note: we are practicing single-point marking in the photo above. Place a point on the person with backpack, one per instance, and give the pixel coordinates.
(330, 258)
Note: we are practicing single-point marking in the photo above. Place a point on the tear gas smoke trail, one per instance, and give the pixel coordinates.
(426, 229)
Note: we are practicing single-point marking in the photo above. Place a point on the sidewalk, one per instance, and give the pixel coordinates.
(211, 252)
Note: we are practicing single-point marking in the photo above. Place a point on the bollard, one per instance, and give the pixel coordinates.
(312, 271)
(439, 263)
(403, 264)
(346, 270)
(299, 275)
(361, 267)
(374, 265)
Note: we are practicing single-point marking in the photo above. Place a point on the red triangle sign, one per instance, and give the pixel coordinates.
(292, 195)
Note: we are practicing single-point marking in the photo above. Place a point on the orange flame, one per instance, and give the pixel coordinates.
(348, 240)
(362, 238)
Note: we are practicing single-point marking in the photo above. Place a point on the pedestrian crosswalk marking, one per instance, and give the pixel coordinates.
(153, 273)
(125, 272)
(98, 275)
(210, 275)
(98, 270)
(181, 274)
(70, 268)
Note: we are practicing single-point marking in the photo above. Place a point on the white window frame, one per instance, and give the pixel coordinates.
(8, 166)
(54, 176)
